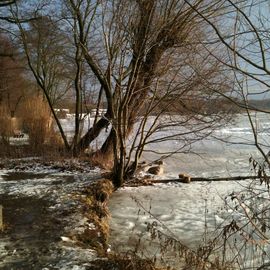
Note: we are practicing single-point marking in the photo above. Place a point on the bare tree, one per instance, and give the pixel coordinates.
(55, 59)
(12, 91)
(143, 58)
(136, 51)
(45, 51)
(4, 3)
(245, 38)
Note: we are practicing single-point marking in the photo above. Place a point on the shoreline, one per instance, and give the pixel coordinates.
(68, 214)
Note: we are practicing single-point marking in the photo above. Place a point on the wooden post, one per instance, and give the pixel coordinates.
(1, 218)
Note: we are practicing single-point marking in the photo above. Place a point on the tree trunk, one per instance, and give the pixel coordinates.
(118, 176)
(108, 146)
(92, 134)
(110, 151)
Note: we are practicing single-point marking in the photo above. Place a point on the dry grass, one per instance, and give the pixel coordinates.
(96, 211)
(128, 261)
(37, 122)
(168, 246)
(104, 162)
(6, 128)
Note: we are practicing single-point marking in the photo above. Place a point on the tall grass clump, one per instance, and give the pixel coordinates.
(5, 125)
(38, 123)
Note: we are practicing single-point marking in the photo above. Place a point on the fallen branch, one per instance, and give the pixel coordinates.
(203, 179)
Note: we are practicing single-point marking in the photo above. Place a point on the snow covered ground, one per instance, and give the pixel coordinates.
(42, 215)
(189, 211)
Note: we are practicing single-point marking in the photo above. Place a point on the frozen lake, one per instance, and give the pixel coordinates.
(190, 212)
(226, 152)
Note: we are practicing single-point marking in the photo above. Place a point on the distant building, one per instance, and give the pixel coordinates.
(61, 113)
(99, 112)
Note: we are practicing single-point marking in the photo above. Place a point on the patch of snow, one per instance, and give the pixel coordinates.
(67, 239)
(73, 257)
(188, 210)
(59, 189)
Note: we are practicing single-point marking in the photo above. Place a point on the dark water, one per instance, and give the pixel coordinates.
(31, 227)
(19, 176)
(29, 230)
(15, 176)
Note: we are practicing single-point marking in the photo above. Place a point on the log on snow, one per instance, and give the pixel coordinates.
(204, 179)
(1, 218)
